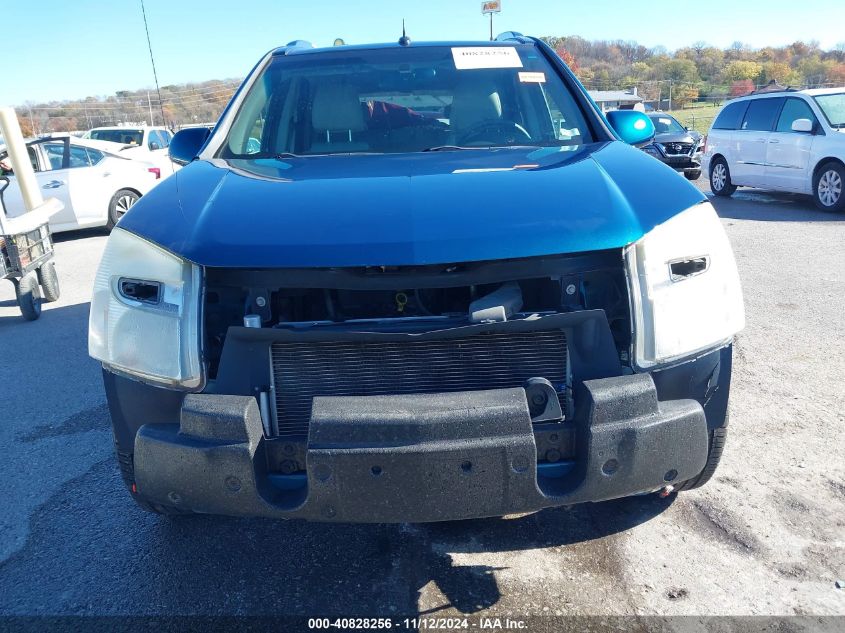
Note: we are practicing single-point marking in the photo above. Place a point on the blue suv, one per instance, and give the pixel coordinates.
(415, 282)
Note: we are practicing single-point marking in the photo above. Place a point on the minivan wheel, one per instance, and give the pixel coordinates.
(720, 178)
(827, 187)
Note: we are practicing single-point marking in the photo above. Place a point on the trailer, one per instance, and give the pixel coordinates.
(26, 245)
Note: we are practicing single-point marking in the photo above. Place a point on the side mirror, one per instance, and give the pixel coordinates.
(802, 125)
(154, 146)
(633, 127)
(187, 143)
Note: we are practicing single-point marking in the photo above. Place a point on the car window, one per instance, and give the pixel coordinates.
(30, 150)
(78, 157)
(664, 124)
(94, 156)
(761, 114)
(730, 118)
(793, 110)
(833, 107)
(119, 135)
(156, 139)
(408, 100)
(55, 154)
(165, 137)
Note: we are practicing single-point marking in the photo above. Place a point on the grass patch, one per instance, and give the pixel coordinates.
(698, 117)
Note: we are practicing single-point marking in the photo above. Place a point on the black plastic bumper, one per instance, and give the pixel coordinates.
(418, 458)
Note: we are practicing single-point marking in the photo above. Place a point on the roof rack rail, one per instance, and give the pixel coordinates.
(508, 36)
(772, 86)
(298, 44)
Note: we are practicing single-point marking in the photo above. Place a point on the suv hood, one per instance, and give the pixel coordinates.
(677, 137)
(410, 209)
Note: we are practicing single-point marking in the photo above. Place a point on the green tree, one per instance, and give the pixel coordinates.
(738, 70)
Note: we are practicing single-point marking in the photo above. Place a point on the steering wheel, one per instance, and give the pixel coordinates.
(497, 130)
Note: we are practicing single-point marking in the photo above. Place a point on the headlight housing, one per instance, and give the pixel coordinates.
(685, 292)
(144, 317)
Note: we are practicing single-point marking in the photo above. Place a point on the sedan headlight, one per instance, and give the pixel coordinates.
(145, 313)
(685, 292)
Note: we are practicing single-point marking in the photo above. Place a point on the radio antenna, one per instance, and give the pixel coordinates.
(404, 40)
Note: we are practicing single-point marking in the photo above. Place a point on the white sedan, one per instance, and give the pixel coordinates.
(96, 187)
(139, 143)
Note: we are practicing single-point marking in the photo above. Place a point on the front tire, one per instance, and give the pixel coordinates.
(828, 187)
(720, 178)
(716, 446)
(120, 203)
(692, 174)
(29, 296)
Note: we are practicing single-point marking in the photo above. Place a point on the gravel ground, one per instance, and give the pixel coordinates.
(764, 537)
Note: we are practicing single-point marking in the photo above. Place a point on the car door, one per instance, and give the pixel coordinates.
(52, 178)
(92, 185)
(788, 152)
(751, 140)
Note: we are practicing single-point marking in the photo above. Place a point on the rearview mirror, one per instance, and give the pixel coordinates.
(187, 143)
(632, 127)
(802, 125)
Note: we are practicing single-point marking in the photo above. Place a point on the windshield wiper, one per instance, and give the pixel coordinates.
(285, 155)
(450, 148)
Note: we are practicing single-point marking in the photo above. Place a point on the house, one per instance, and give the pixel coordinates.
(615, 99)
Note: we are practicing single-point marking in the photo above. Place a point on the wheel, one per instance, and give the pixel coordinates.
(720, 178)
(716, 446)
(49, 281)
(127, 471)
(29, 296)
(827, 187)
(120, 203)
(692, 175)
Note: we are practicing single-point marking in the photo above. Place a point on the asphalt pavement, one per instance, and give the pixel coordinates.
(764, 537)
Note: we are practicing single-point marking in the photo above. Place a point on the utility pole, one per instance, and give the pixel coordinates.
(150, 104)
(491, 26)
(670, 94)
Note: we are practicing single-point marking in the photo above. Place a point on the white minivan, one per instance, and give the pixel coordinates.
(784, 141)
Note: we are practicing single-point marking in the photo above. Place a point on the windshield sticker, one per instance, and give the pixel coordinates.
(472, 57)
(532, 78)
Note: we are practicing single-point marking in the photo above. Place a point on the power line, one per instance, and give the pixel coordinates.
(152, 60)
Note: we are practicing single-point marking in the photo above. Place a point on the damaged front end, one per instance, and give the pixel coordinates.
(541, 324)
(415, 394)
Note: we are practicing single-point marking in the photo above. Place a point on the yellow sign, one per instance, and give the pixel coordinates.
(494, 6)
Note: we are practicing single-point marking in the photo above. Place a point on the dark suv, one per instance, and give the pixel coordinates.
(415, 282)
(675, 145)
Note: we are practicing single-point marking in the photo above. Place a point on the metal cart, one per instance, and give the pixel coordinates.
(26, 259)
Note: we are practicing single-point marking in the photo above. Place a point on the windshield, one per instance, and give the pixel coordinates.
(127, 137)
(833, 107)
(405, 100)
(665, 124)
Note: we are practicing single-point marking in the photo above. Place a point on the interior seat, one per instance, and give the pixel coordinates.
(338, 119)
(472, 103)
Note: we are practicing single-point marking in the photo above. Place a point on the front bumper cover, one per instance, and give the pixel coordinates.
(419, 458)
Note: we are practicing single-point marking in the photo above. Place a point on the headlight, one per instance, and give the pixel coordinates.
(685, 291)
(145, 313)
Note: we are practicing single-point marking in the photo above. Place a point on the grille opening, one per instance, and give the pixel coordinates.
(416, 298)
(492, 360)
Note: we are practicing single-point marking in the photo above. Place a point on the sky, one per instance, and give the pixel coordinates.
(55, 49)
